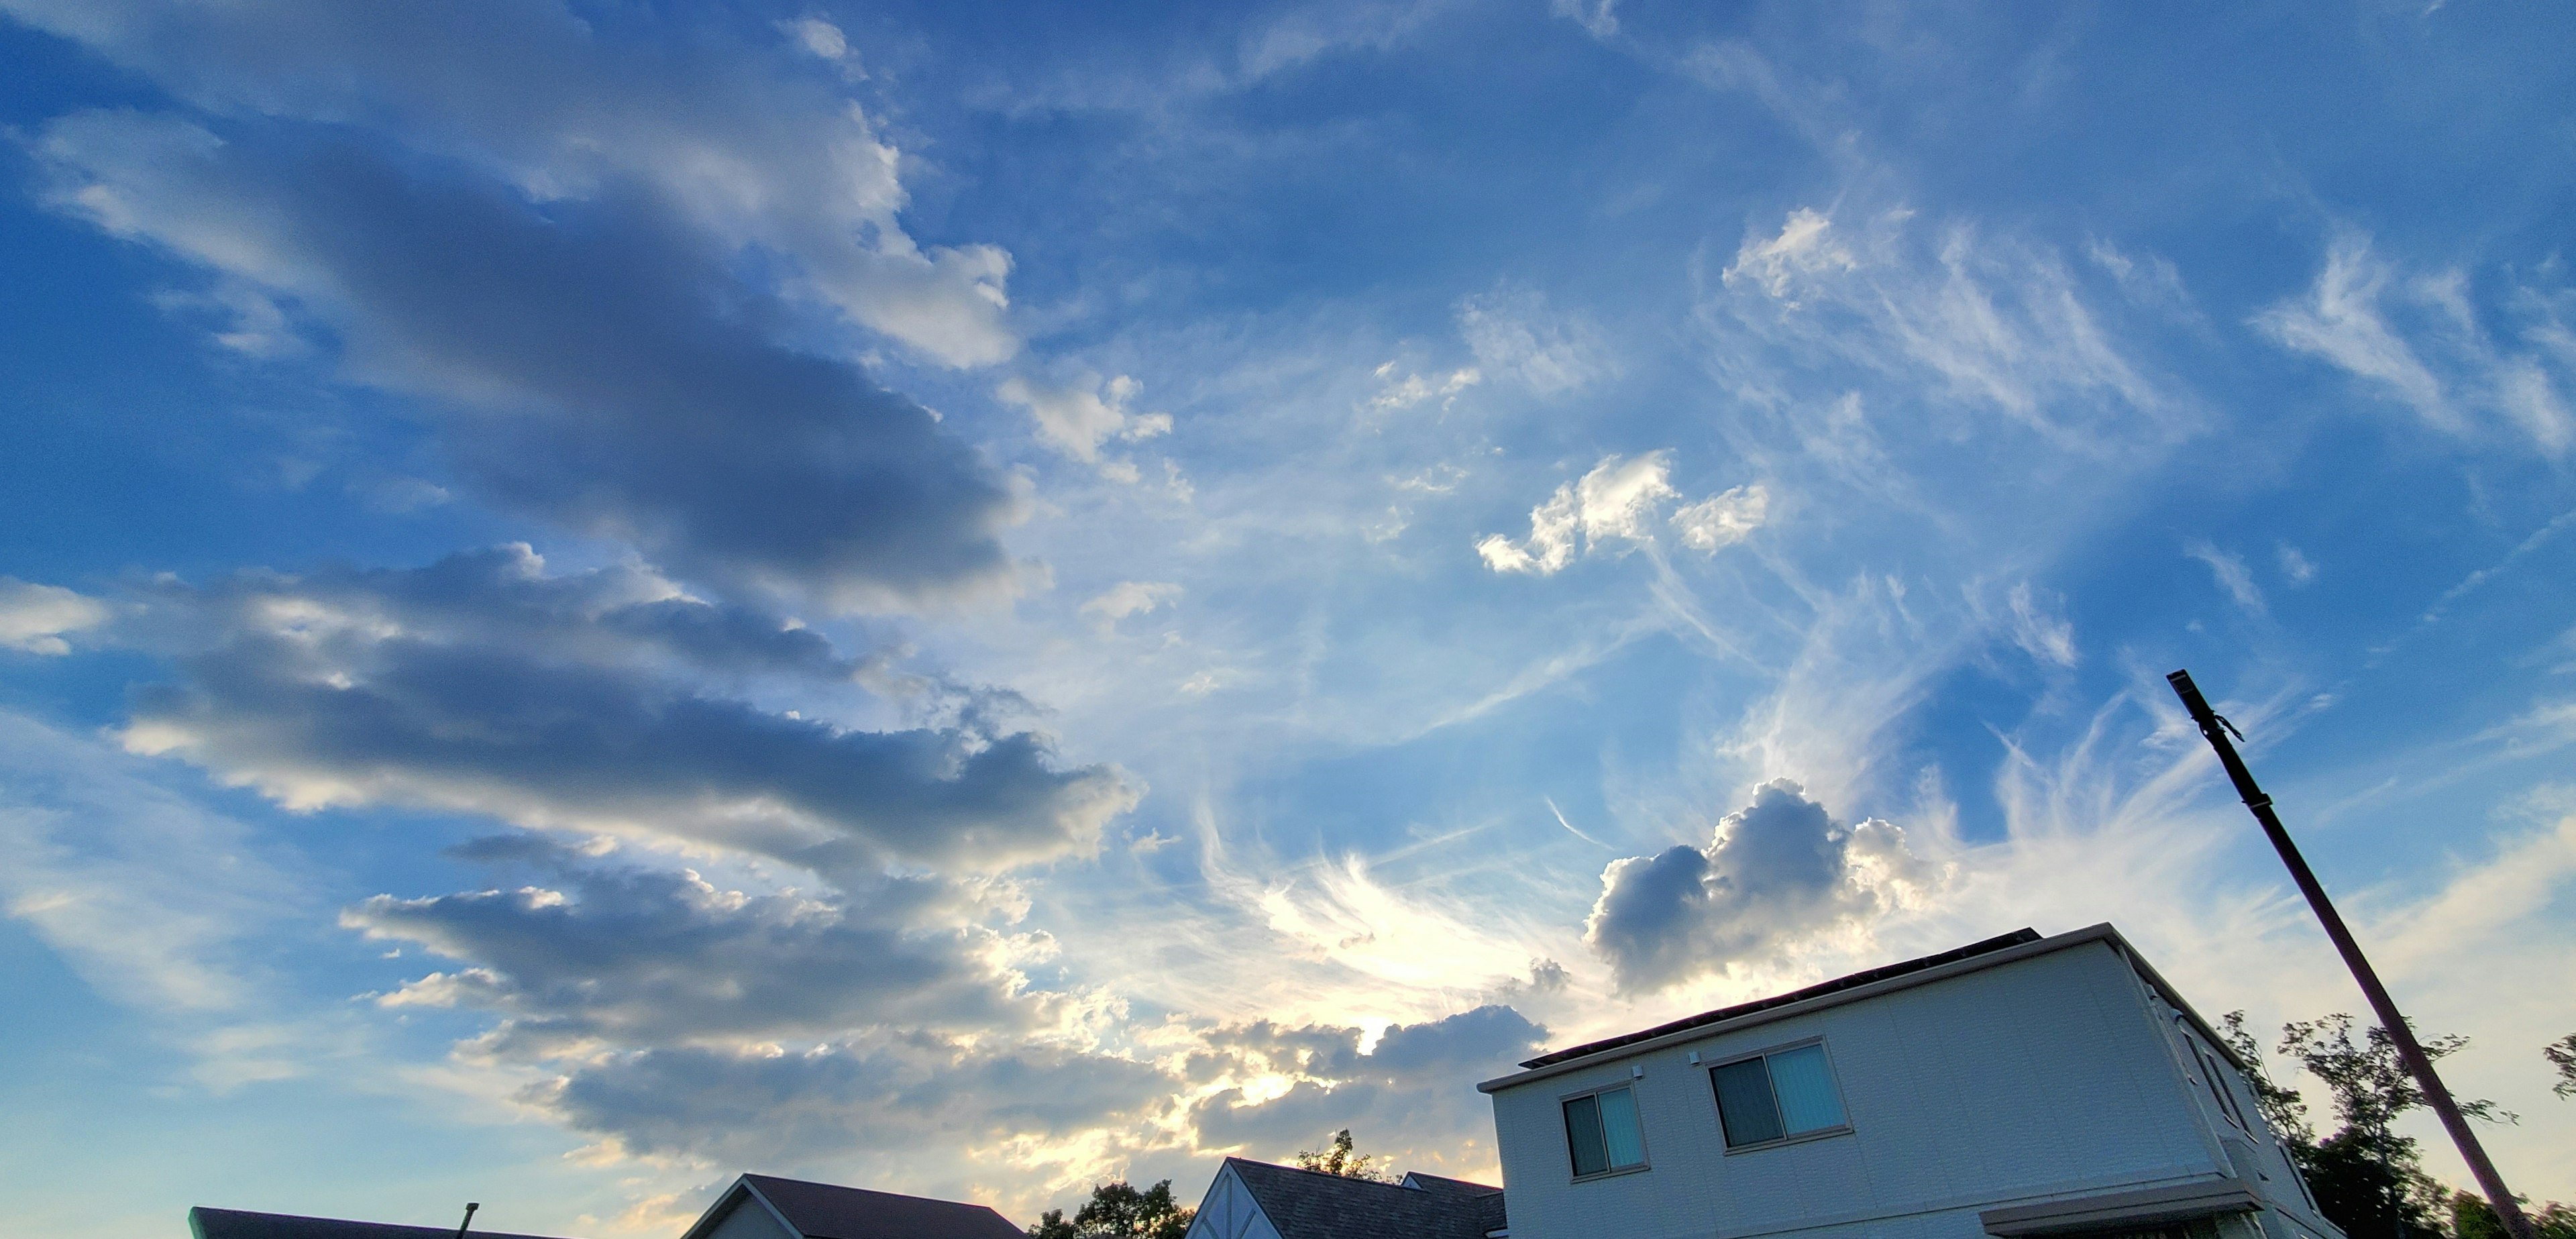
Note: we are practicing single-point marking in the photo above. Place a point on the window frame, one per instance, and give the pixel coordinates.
(1833, 1075)
(1645, 1156)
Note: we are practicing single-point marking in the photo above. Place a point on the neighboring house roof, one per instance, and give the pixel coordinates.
(829, 1211)
(205, 1223)
(1487, 1199)
(1870, 983)
(1309, 1204)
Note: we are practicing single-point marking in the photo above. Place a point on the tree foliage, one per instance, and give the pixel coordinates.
(1338, 1158)
(2562, 1055)
(2368, 1179)
(2472, 1218)
(1119, 1211)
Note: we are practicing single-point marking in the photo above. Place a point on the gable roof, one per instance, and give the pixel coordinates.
(1868, 983)
(205, 1223)
(830, 1211)
(1309, 1204)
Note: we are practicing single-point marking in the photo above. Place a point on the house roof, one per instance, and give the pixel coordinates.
(1867, 983)
(1837, 985)
(206, 1223)
(829, 1211)
(1309, 1204)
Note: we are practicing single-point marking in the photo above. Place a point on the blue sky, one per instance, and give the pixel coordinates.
(968, 599)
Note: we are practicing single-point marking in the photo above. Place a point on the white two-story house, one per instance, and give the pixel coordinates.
(2018, 1087)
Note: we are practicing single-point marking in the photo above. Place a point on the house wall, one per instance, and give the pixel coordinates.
(2047, 1076)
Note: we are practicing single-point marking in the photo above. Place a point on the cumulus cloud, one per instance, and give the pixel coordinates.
(595, 366)
(1515, 334)
(1616, 506)
(1076, 419)
(564, 105)
(475, 685)
(1779, 870)
(2420, 343)
(35, 618)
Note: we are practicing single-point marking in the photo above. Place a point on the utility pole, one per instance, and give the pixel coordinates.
(2409, 1051)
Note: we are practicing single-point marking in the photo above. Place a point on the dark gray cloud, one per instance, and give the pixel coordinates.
(473, 685)
(1778, 869)
(760, 1107)
(595, 362)
(626, 956)
(753, 140)
(1414, 1092)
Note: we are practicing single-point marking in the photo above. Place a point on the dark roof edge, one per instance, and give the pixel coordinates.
(1395, 1183)
(2012, 948)
(722, 1207)
(1853, 980)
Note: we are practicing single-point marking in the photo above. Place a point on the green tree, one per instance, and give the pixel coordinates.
(1337, 1158)
(2472, 1218)
(1119, 1211)
(2368, 1179)
(2562, 1055)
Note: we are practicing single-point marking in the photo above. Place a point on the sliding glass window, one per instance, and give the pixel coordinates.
(1601, 1132)
(1776, 1096)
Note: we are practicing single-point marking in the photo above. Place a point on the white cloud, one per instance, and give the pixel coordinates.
(34, 618)
(2295, 564)
(1599, 18)
(2340, 322)
(1131, 598)
(1806, 248)
(1723, 519)
(1616, 505)
(1975, 322)
(2420, 343)
(1394, 393)
(1516, 335)
(2231, 574)
(1076, 419)
(2039, 629)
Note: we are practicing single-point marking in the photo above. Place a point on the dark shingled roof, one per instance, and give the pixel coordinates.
(1487, 1199)
(1308, 1204)
(1855, 980)
(827, 1211)
(207, 1223)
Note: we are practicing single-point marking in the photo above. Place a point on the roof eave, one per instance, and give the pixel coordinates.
(2102, 932)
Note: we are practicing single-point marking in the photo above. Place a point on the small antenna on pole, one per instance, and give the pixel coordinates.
(470, 1207)
(2418, 1063)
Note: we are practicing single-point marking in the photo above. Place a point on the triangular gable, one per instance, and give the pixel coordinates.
(742, 1213)
(1228, 1211)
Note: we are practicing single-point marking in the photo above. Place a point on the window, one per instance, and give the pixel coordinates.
(1601, 1132)
(1776, 1096)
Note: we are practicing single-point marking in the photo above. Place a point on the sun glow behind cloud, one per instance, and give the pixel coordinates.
(1101, 601)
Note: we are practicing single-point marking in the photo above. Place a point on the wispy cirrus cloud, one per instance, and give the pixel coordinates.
(2418, 341)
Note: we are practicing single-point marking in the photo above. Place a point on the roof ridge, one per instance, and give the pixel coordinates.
(1396, 1183)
